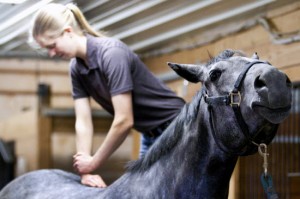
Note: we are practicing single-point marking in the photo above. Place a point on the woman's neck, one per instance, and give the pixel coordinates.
(81, 47)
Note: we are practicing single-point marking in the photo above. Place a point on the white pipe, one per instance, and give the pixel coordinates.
(23, 14)
(197, 25)
(127, 13)
(166, 18)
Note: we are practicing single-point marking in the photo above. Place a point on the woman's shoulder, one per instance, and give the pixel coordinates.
(106, 42)
(72, 65)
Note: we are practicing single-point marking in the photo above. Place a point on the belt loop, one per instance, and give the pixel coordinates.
(151, 134)
(158, 130)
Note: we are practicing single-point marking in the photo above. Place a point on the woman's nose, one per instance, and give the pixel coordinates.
(51, 52)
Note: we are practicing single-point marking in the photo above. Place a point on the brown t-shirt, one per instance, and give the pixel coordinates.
(112, 69)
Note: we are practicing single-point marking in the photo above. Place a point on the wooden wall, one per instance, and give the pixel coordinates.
(255, 39)
(19, 79)
(19, 116)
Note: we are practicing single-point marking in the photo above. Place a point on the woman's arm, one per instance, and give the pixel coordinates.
(121, 125)
(84, 136)
(83, 126)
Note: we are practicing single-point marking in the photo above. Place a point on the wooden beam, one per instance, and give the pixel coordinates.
(44, 129)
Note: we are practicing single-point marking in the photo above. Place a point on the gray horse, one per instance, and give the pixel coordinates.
(241, 103)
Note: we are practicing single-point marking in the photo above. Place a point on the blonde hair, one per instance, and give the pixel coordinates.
(53, 18)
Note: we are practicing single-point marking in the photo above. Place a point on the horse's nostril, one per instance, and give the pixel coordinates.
(258, 83)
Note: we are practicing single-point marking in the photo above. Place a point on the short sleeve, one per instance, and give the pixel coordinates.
(117, 68)
(78, 90)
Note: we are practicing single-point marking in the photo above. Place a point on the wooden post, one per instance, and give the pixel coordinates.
(135, 144)
(44, 128)
(234, 182)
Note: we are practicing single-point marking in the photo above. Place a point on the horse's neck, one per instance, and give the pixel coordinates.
(211, 159)
(196, 165)
(204, 159)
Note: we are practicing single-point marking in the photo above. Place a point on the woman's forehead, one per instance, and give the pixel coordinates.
(44, 39)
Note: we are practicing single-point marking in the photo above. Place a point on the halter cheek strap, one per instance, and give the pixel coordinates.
(233, 99)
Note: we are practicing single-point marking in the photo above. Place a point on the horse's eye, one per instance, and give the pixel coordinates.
(214, 75)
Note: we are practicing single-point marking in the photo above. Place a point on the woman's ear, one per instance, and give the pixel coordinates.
(68, 29)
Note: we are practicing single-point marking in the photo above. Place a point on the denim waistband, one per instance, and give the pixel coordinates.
(158, 130)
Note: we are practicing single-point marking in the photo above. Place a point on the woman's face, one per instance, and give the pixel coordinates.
(61, 46)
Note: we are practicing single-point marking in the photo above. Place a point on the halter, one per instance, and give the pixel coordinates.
(233, 99)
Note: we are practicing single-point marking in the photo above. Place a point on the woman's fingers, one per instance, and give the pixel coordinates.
(93, 181)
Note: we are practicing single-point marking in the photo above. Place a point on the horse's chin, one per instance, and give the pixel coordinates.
(264, 135)
(274, 116)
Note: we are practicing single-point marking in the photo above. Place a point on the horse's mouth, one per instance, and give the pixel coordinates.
(273, 115)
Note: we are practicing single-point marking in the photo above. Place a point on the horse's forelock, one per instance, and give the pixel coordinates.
(224, 55)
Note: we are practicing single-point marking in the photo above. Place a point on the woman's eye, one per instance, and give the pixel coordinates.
(214, 75)
(49, 47)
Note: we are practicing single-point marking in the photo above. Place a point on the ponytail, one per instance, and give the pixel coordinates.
(82, 22)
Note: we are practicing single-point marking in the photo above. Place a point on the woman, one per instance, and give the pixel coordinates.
(108, 71)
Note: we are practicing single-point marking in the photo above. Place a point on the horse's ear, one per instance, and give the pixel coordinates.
(189, 72)
(255, 56)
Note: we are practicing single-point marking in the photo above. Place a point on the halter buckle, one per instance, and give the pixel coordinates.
(235, 98)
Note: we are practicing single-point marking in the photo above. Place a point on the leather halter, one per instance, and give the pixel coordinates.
(233, 99)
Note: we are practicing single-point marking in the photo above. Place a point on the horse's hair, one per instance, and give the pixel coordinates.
(224, 55)
(170, 137)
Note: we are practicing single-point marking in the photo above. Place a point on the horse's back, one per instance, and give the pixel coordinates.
(48, 184)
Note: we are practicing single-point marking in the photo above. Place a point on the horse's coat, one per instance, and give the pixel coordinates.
(195, 156)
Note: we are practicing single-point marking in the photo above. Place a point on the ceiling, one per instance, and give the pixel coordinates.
(147, 26)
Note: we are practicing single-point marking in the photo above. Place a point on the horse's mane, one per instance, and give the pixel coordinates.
(170, 137)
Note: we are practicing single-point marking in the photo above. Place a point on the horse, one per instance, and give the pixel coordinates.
(241, 102)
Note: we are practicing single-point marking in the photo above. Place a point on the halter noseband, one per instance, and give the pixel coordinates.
(233, 99)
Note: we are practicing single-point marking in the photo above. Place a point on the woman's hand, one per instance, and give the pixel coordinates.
(92, 181)
(83, 163)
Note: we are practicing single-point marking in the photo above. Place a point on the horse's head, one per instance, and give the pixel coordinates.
(246, 98)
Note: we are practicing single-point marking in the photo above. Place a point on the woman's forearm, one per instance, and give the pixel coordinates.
(84, 137)
(118, 132)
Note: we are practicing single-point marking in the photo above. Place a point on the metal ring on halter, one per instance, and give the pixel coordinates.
(233, 96)
(263, 151)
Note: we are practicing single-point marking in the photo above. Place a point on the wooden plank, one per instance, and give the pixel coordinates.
(32, 72)
(293, 73)
(14, 82)
(22, 128)
(27, 83)
(294, 190)
(34, 65)
(67, 124)
(136, 136)
(44, 129)
(44, 142)
(12, 105)
(282, 24)
(60, 84)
